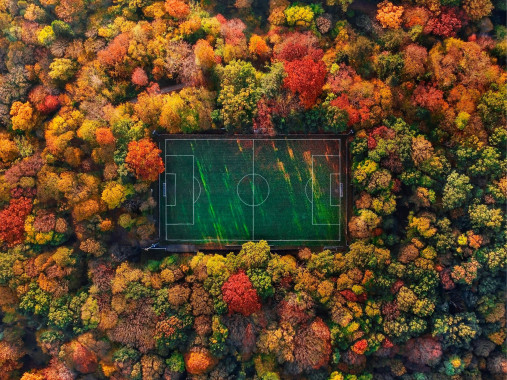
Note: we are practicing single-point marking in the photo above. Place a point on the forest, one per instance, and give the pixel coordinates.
(418, 294)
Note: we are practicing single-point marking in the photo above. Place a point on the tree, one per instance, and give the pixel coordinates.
(46, 36)
(116, 51)
(177, 9)
(297, 46)
(114, 194)
(240, 295)
(482, 216)
(139, 77)
(472, 71)
(13, 218)
(143, 159)
(389, 15)
(414, 60)
(62, 69)
(477, 9)
(23, 116)
(299, 15)
(104, 136)
(71, 11)
(456, 190)
(49, 105)
(424, 351)
(199, 362)
(254, 255)
(239, 94)
(258, 47)
(429, 97)
(80, 357)
(447, 23)
(204, 54)
(313, 345)
(8, 150)
(456, 330)
(187, 111)
(306, 78)
(172, 332)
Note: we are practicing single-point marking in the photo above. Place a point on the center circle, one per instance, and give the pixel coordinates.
(253, 189)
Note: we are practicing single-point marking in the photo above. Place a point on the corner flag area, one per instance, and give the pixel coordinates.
(226, 191)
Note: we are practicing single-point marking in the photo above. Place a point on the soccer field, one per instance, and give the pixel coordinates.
(226, 191)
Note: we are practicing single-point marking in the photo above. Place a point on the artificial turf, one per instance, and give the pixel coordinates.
(226, 191)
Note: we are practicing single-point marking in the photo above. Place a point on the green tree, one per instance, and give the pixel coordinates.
(456, 190)
(481, 216)
(457, 330)
(239, 94)
(35, 301)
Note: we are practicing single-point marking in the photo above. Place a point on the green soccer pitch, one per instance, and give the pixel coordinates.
(226, 191)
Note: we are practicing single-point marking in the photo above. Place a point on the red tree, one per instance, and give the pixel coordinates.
(313, 345)
(232, 30)
(240, 295)
(139, 77)
(50, 104)
(84, 360)
(429, 97)
(297, 46)
(343, 103)
(143, 158)
(13, 218)
(425, 350)
(447, 22)
(116, 51)
(306, 78)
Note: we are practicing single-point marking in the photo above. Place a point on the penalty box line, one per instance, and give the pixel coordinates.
(175, 190)
(330, 190)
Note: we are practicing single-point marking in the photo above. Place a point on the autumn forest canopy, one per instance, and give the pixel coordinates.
(419, 86)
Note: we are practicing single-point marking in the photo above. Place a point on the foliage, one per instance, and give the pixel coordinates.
(238, 96)
(456, 330)
(417, 86)
(13, 217)
(240, 295)
(456, 190)
(144, 160)
(306, 78)
(389, 14)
